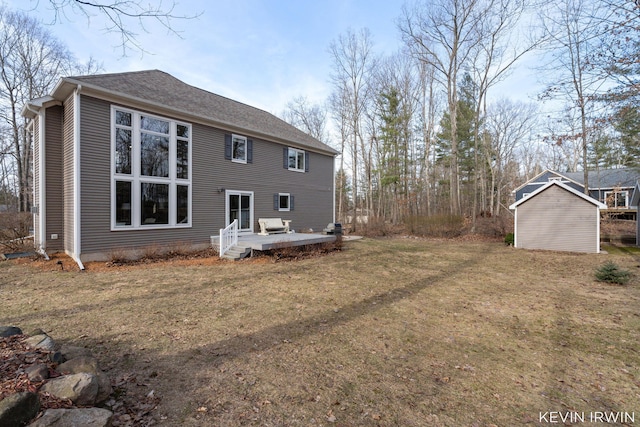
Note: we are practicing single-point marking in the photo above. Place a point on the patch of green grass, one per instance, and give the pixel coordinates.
(621, 250)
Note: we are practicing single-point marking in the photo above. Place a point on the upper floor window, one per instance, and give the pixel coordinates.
(238, 149)
(151, 173)
(296, 160)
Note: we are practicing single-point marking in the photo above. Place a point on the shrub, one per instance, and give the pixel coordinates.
(436, 225)
(494, 225)
(285, 252)
(118, 256)
(609, 272)
(509, 239)
(374, 227)
(14, 229)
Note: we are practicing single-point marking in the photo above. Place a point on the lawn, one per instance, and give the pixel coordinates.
(389, 332)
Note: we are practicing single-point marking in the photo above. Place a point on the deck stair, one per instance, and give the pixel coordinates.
(237, 252)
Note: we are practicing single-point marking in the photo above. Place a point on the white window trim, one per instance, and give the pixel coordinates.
(288, 208)
(613, 192)
(298, 153)
(137, 179)
(227, 219)
(243, 138)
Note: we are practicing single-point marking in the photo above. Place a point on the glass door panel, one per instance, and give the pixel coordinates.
(240, 207)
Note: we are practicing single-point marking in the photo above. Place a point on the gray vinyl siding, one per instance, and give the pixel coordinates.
(36, 180)
(266, 176)
(67, 171)
(54, 177)
(542, 180)
(211, 173)
(556, 219)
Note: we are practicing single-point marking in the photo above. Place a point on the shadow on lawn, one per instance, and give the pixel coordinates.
(215, 354)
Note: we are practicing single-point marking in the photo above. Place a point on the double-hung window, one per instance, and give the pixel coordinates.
(151, 171)
(296, 160)
(239, 149)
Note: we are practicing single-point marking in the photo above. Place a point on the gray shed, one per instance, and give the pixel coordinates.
(558, 217)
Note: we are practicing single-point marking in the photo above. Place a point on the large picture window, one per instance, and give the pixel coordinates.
(151, 171)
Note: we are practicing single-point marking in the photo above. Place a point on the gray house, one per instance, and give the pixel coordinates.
(129, 160)
(558, 217)
(613, 187)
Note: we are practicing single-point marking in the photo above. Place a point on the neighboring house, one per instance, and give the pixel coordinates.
(635, 201)
(557, 216)
(613, 187)
(130, 160)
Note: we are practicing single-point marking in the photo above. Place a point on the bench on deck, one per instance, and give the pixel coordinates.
(273, 225)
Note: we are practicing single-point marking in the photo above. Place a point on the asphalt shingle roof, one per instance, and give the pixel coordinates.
(162, 88)
(607, 178)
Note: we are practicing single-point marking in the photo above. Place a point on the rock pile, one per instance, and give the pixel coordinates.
(67, 375)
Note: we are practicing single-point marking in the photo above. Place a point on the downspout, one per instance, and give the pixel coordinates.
(515, 228)
(42, 198)
(334, 190)
(598, 230)
(40, 245)
(76, 178)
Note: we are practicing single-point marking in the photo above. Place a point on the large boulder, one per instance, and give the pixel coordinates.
(38, 372)
(17, 409)
(88, 364)
(71, 351)
(41, 341)
(81, 389)
(79, 364)
(7, 331)
(82, 417)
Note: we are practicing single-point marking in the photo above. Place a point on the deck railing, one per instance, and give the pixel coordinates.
(228, 237)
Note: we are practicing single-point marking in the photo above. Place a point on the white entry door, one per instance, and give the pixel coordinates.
(240, 207)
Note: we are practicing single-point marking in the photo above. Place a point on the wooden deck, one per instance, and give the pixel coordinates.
(265, 243)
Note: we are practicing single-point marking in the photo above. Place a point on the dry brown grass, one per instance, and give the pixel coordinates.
(389, 332)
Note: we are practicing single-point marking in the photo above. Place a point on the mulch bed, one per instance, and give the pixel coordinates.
(129, 409)
(15, 357)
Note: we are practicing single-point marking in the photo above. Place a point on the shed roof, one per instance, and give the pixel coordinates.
(563, 186)
(160, 89)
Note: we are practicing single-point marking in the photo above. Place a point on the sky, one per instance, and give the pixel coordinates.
(263, 53)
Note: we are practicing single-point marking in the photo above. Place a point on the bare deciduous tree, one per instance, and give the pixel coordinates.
(444, 33)
(509, 125)
(31, 62)
(352, 58)
(310, 118)
(574, 28)
(123, 17)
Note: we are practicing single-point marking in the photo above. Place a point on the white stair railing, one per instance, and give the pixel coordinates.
(228, 237)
